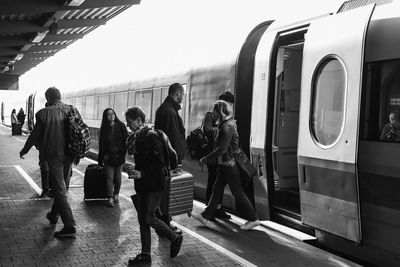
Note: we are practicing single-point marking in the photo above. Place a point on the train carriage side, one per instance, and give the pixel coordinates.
(323, 90)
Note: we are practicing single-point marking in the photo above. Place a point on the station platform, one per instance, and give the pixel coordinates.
(110, 236)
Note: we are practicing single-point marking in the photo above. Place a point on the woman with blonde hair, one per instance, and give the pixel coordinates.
(226, 144)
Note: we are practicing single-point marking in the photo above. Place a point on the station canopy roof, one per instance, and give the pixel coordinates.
(33, 30)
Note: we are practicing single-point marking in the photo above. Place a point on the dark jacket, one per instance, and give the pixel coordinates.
(21, 117)
(149, 160)
(120, 136)
(226, 143)
(168, 120)
(50, 132)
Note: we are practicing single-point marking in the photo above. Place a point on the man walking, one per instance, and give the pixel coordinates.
(168, 120)
(50, 134)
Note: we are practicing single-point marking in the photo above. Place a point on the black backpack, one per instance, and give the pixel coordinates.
(170, 157)
(197, 143)
(79, 139)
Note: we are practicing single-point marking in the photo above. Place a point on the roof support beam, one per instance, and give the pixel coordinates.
(13, 7)
(7, 27)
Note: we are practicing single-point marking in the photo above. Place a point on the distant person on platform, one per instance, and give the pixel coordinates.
(21, 116)
(50, 134)
(14, 121)
(168, 119)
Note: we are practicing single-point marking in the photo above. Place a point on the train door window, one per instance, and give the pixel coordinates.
(103, 104)
(79, 105)
(164, 93)
(381, 102)
(96, 107)
(89, 110)
(143, 99)
(284, 197)
(131, 98)
(71, 101)
(184, 111)
(121, 105)
(156, 102)
(328, 101)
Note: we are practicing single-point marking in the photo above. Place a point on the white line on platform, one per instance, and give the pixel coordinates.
(267, 224)
(28, 179)
(214, 245)
(78, 171)
(18, 139)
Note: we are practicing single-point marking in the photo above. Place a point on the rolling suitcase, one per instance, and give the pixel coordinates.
(178, 197)
(94, 182)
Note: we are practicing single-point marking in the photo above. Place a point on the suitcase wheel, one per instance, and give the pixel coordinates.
(189, 214)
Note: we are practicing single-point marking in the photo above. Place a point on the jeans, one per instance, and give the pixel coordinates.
(147, 204)
(59, 177)
(44, 172)
(229, 175)
(113, 175)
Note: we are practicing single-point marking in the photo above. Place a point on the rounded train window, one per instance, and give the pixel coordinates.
(328, 101)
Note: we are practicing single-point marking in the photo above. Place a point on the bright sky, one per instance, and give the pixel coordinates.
(160, 37)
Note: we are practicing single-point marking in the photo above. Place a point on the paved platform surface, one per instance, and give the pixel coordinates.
(110, 236)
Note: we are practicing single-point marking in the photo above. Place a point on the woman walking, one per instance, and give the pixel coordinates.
(112, 150)
(226, 144)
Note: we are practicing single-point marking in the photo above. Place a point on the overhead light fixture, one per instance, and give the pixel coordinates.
(39, 37)
(75, 2)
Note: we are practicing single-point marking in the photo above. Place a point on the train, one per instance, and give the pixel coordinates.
(311, 100)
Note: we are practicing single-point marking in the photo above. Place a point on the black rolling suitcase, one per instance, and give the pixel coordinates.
(17, 129)
(94, 182)
(178, 195)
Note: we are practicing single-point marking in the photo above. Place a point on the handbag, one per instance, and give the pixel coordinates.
(247, 169)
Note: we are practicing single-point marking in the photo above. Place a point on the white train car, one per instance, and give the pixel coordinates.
(322, 92)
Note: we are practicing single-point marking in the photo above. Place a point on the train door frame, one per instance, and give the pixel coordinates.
(283, 39)
(328, 130)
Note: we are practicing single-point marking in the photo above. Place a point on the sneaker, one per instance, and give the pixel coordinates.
(52, 220)
(175, 246)
(110, 202)
(250, 225)
(141, 258)
(199, 217)
(50, 193)
(220, 214)
(45, 193)
(116, 198)
(66, 232)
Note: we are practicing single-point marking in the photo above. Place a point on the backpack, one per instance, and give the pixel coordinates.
(170, 157)
(197, 143)
(78, 135)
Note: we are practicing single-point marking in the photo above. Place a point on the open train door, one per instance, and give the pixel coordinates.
(329, 117)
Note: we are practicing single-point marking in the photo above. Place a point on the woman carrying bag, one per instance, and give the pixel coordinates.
(226, 143)
(113, 135)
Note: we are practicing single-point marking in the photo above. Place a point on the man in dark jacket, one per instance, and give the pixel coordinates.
(168, 120)
(50, 134)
